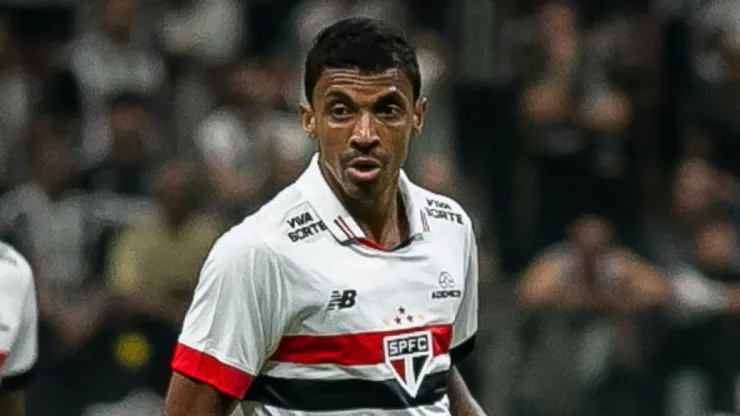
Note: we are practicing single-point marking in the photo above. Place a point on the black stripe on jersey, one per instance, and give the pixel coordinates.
(16, 382)
(458, 353)
(336, 395)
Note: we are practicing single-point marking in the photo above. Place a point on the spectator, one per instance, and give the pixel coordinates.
(697, 245)
(198, 37)
(52, 223)
(713, 103)
(153, 268)
(107, 60)
(668, 238)
(46, 216)
(14, 113)
(125, 169)
(248, 143)
(574, 121)
(208, 31)
(593, 342)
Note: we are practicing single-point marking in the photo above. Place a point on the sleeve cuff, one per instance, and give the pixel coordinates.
(203, 368)
(18, 381)
(464, 349)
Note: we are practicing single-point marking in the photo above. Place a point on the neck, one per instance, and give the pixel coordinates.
(379, 216)
(176, 219)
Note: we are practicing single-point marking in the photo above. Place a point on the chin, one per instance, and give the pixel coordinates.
(361, 191)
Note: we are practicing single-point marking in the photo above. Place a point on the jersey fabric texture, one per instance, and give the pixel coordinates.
(18, 320)
(296, 312)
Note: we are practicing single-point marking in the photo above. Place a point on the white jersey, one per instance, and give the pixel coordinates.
(18, 320)
(297, 313)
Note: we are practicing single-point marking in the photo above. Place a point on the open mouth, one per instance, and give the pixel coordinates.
(363, 169)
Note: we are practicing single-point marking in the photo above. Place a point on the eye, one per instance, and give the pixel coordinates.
(340, 111)
(390, 111)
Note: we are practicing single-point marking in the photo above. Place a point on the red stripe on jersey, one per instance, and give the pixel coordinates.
(3, 356)
(350, 349)
(206, 369)
(370, 243)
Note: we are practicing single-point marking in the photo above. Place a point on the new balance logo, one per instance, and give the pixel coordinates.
(342, 299)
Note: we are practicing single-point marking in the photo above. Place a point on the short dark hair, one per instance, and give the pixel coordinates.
(365, 44)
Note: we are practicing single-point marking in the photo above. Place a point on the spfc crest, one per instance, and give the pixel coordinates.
(409, 356)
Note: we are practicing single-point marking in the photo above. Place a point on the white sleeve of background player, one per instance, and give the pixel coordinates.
(466, 321)
(18, 323)
(237, 316)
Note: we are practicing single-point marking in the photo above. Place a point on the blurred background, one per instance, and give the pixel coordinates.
(595, 143)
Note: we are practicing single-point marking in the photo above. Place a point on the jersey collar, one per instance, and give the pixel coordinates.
(340, 223)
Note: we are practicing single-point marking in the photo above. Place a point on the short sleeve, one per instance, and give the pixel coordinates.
(466, 321)
(236, 318)
(18, 323)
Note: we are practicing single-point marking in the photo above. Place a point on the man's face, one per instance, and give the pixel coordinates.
(363, 123)
(174, 188)
(127, 125)
(692, 190)
(118, 17)
(591, 235)
(53, 163)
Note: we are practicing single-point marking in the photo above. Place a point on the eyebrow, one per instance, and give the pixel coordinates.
(391, 97)
(338, 95)
(385, 98)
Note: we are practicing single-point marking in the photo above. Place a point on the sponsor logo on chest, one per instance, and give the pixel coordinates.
(447, 285)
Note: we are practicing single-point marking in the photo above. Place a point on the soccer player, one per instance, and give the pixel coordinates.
(353, 291)
(18, 330)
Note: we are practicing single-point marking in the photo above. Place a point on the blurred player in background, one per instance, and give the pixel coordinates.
(354, 290)
(18, 330)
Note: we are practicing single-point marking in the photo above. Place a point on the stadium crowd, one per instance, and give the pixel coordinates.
(596, 144)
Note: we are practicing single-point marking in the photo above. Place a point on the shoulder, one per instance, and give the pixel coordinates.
(206, 226)
(15, 271)
(286, 219)
(443, 212)
(260, 234)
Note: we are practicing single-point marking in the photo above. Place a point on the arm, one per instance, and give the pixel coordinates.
(12, 404)
(463, 336)
(647, 286)
(542, 282)
(543, 286)
(18, 331)
(12, 395)
(235, 320)
(187, 396)
(462, 402)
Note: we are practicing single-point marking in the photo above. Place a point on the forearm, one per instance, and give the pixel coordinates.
(12, 404)
(462, 402)
(188, 397)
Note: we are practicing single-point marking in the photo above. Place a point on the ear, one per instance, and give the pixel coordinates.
(420, 111)
(308, 120)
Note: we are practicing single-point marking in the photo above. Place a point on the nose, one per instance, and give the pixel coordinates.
(364, 134)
